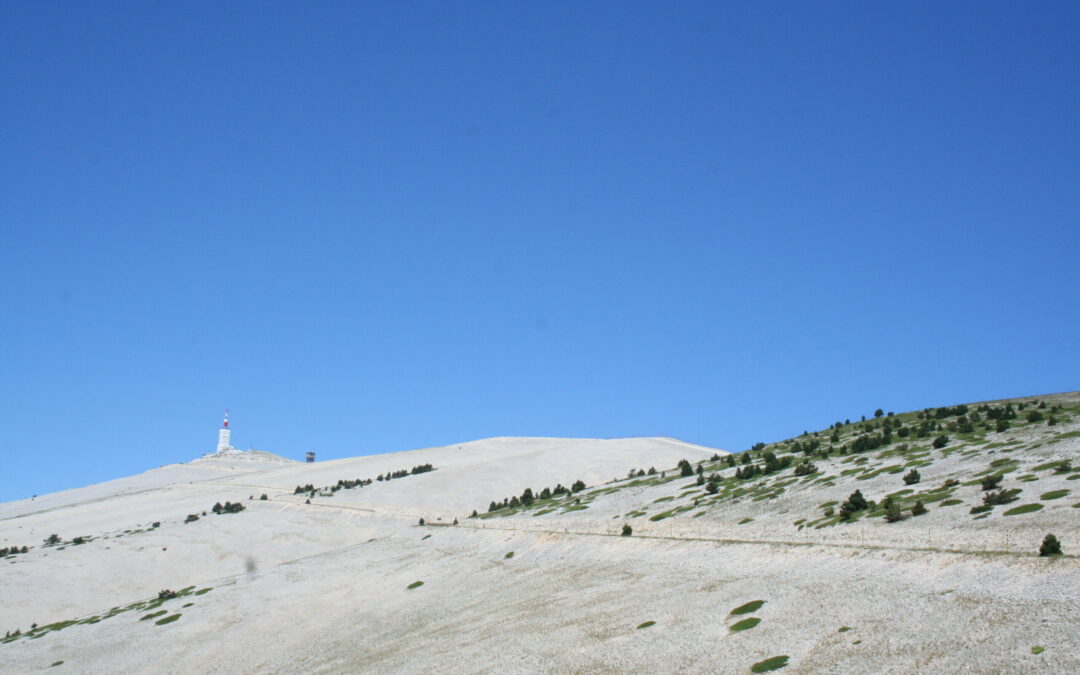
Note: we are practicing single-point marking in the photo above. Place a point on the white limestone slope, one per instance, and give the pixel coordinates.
(126, 558)
(331, 585)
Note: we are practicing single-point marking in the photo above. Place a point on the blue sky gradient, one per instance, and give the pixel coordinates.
(369, 227)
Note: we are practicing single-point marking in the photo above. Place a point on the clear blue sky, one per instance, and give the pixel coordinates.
(369, 227)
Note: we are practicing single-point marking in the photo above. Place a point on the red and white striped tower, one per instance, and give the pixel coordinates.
(223, 435)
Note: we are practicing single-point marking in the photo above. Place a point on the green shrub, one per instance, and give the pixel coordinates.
(1054, 494)
(646, 624)
(415, 584)
(912, 477)
(919, 509)
(940, 442)
(893, 512)
(1050, 546)
(990, 482)
(1001, 497)
(627, 530)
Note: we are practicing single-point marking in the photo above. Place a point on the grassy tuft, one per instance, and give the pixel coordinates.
(748, 608)
(415, 584)
(168, 619)
(745, 624)
(1026, 508)
(646, 624)
(1054, 494)
(773, 663)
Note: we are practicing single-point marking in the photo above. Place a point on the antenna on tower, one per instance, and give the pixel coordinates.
(225, 424)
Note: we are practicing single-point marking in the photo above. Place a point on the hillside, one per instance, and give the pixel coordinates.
(720, 572)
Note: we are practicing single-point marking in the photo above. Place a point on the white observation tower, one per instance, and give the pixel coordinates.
(223, 435)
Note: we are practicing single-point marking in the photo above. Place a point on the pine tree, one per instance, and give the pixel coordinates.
(919, 509)
(421, 522)
(912, 477)
(627, 530)
(685, 469)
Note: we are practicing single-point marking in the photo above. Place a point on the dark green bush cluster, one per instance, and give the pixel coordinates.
(166, 594)
(346, 484)
(227, 507)
(422, 468)
(772, 464)
(1001, 497)
(528, 497)
(640, 473)
(852, 505)
(912, 477)
(805, 468)
(807, 447)
(12, 550)
(627, 530)
(685, 469)
(52, 540)
(942, 413)
(941, 441)
(191, 518)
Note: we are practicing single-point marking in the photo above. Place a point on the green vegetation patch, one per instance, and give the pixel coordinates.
(1048, 465)
(745, 624)
(646, 624)
(662, 515)
(154, 615)
(415, 584)
(745, 521)
(1026, 508)
(60, 663)
(748, 608)
(844, 629)
(203, 591)
(952, 502)
(1037, 649)
(1054, 494)
(168, 619)
(509, 554)
(772, 663)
